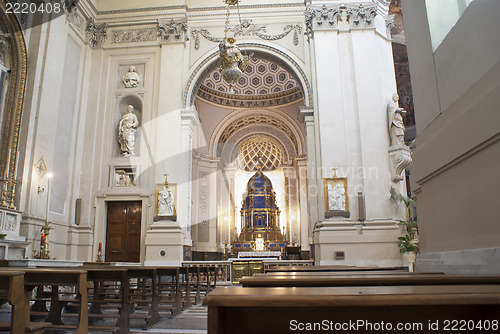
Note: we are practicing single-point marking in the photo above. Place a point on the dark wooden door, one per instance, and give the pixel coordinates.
(123, 233)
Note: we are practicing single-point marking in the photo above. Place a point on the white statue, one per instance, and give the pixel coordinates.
(336, 197)
(126, 132)
(396, 124)
(165, 202)
(131, 79)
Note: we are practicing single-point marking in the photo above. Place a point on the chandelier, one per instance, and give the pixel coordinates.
(231, 62)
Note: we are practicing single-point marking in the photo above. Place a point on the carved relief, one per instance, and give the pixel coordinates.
(172, 31)
(9, 223)
(131, 79)
(124, 177)
(247, 28)
(96, 34)
(138, 35)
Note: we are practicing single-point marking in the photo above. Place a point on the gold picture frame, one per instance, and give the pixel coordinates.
(173, 191)
(336, 196)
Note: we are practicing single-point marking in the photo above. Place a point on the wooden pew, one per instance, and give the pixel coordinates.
(287, 309)
(55, 278)
(12, 291)
(332, 268)
(343, 273)
(367, 280)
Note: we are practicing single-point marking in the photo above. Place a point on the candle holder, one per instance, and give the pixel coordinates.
(44, 243)
(99, 253)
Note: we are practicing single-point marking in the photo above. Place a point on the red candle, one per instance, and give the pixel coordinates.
(100, 247)
(42, 240)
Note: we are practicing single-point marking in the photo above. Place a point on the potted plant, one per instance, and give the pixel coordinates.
(408, 243)
(2, 236)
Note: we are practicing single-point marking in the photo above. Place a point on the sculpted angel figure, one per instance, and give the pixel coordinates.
(396, 124)
(126, 132)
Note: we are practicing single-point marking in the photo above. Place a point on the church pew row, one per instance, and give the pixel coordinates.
(123, 293)
(12, 291)
(343, 273)
(368, 280)
(331, 268)
(354, 309)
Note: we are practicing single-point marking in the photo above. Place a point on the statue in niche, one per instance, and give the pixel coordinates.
(396, 124)
(131, 79)
(126, 132)
(336, 197)
(165, 202)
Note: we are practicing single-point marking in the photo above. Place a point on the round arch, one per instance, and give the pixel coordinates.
(235, 121)
(210, 61)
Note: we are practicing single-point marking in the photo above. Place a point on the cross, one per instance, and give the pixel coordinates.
(166, 182)
(334, 171)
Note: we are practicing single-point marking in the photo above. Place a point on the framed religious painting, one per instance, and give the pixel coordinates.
(166, 201)
(336, 197)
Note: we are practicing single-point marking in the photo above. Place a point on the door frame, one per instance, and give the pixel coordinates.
(102, 215)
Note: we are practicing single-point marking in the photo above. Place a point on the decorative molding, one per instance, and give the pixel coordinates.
(12, 104)
(136, 35)
(75, 19)
(247, 28)
(136, 10)
(399, 158)
(172, 31)
(250, 101)
(96, 34)
(328, 17)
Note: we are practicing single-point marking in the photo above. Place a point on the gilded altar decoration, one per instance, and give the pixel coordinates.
(336, 197)
(260, 217)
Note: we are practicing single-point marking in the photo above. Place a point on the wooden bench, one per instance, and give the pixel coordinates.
(12, 291)
(284, 310)
(332, 268)
(343, 273)
(367, 280)
(55, 278)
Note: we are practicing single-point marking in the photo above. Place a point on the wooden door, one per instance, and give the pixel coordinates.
(123, 233)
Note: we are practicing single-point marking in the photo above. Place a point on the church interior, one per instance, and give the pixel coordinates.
(181, 145)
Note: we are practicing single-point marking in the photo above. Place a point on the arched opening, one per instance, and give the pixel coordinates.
(259, 121)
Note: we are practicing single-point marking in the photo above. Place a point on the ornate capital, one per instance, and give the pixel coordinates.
(96, 34)
(361, 16)
(399, 159)
(70, 5)
(329, 17)
(172, 31)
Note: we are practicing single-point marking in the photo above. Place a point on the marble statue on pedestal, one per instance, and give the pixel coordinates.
(126, 132)
(396, 124)
(131, 79)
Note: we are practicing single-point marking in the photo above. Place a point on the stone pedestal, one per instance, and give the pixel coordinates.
(13, 247)
(164, 244)
(399, 158)
(372, 243)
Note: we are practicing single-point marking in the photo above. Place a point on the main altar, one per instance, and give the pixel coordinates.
(260, 232)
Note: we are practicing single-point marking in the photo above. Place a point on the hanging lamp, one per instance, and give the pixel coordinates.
(231, 62)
